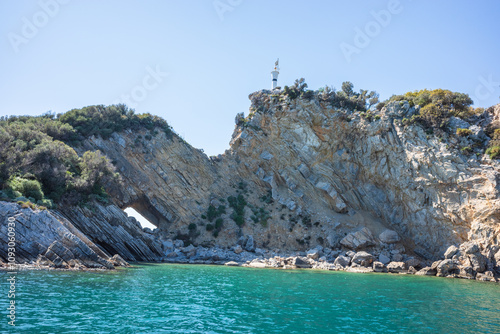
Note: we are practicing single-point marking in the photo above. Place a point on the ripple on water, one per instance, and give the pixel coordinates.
(210, 299)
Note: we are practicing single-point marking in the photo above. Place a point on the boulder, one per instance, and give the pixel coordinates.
(447, 267)
(470, 248)
(426, 271)
(350, 254)
(43, 261)
(313, 254)
(379, 267)
(487, 276)
(384, 259)
(238, 249)
(412, 262)
(342, 261)
(397, 257)
(363, 259)
(435, 264)
(396, 267)
(389, 237)
(450, 252)
(300, 262)
(358, 240)
(257, 264)
(466, 272)
(118, 261)
(167, 245)
(478, 262)
(250, 244)
(231, 264)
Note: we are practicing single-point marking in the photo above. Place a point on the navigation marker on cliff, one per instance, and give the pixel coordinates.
(275, 74)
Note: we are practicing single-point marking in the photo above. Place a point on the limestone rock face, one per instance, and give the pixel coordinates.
(44, 238)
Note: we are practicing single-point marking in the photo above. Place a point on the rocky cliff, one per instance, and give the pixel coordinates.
(301, 174)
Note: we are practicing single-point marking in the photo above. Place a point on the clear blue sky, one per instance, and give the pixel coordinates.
(93, 52)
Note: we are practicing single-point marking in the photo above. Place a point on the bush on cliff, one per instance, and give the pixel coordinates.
(437, 106)
(350, 100)
(36, 164)
(27, 188)
(493, 149)
(345, 99)
(103, 121)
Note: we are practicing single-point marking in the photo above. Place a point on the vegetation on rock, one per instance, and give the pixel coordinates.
(437, 106)
(345, 99)
(38, 163)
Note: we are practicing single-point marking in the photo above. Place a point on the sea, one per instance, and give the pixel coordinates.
(178, 298)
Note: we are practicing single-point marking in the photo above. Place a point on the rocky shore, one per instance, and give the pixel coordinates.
(465, 261)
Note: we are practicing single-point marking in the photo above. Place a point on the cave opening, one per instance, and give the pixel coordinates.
(131, 212)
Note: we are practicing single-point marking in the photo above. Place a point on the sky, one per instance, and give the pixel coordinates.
(194, 63)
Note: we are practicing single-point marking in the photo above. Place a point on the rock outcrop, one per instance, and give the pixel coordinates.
(300, 174)
(43, 238)
(101, 238)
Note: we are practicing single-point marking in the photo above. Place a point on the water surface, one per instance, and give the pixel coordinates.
(166, 298)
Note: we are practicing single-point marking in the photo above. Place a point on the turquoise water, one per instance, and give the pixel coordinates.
(165, 298)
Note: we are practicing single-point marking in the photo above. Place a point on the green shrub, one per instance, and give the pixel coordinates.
(433, 116)
(104, 121)
(238, 204)
(48, 203)
(192, 227)
(209, 227)
(380, 106)
(493, 152)
(34, 163)
(28, 188)
(211, 213)
(437, 106)
(463, 132)
(218, 223)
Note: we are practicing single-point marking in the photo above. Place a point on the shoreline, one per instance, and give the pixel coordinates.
(276, 262)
